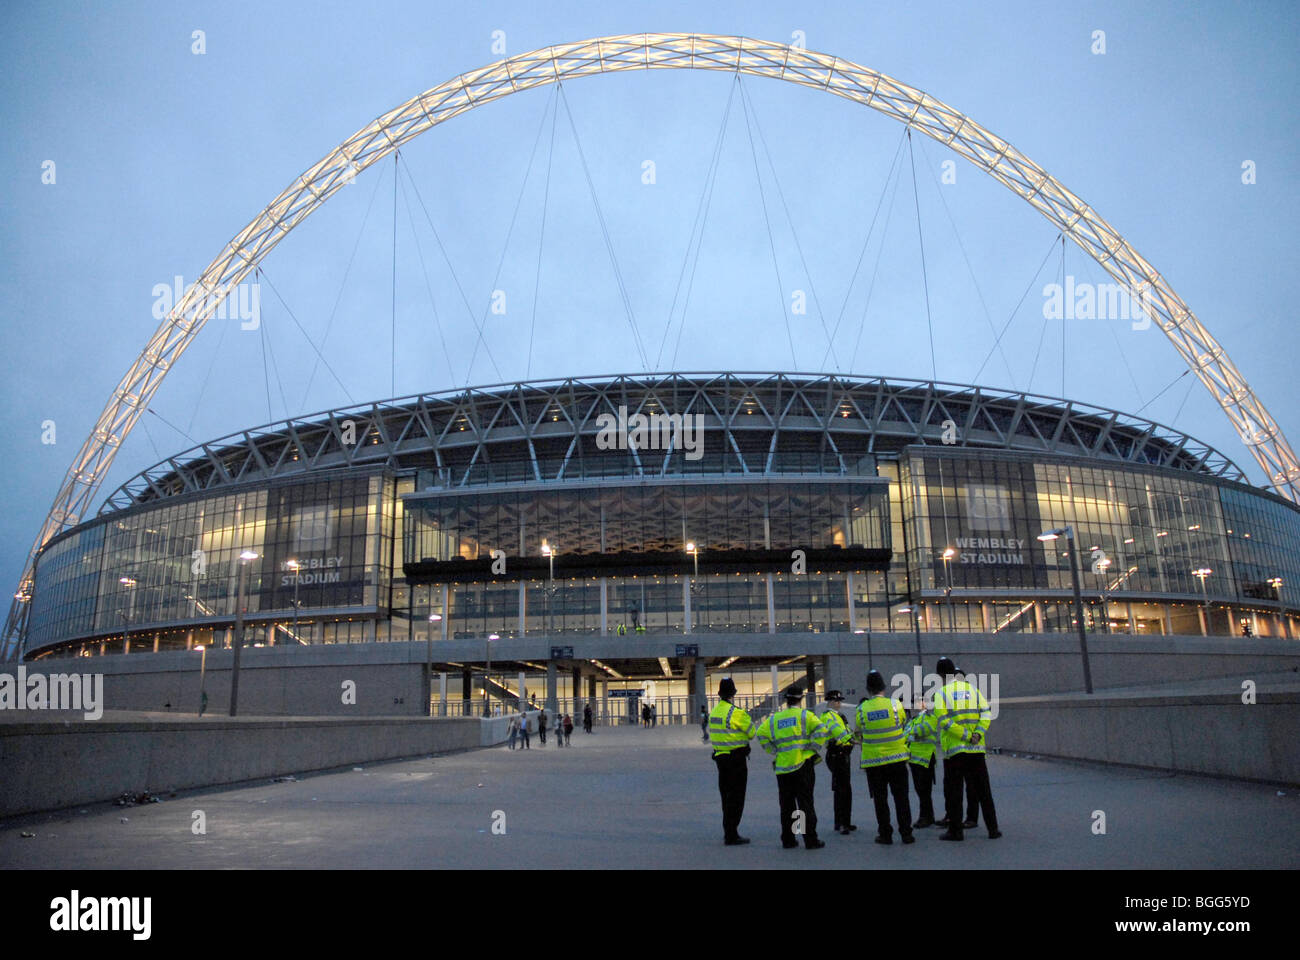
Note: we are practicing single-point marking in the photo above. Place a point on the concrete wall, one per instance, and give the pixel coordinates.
(1040, 664)
(54, 764)
(1210, 734)
(389, 676)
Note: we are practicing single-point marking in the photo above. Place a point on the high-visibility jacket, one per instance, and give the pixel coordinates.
(960, 711)
(880, 723)
(839, 733)
(792, 735)
(729, 728)
(922, 735)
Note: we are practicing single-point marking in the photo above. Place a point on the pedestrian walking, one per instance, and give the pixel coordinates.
(879, 726)
(514, 731)
(963, 717)
(568, 729)
(523, 730)
(541, 728)
(704, 723)
(730, 729)
(586, 718)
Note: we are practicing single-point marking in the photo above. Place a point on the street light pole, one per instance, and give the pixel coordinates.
(293, 565)
(203, 666)
(128, 583)
(434, 618)
(1068, 533)
(1201, 574)
(948, 554)
(244, 558)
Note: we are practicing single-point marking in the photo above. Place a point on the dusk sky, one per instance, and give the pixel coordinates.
(161, 154)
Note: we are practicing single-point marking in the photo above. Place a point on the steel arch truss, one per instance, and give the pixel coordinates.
(657, 51)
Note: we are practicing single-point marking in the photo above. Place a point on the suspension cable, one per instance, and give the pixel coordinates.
(925, 279)
(428, 286)
(604, 231)
(541, 244)
(1016, 309)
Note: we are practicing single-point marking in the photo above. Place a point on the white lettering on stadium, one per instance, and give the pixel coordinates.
(328, 565)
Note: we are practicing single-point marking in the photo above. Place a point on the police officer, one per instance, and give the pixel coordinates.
(880, 722)
(839, 754)
(791, 736)
(962, 716)
(922, 736)
(729, 730)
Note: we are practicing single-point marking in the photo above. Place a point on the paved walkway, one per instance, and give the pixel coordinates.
(637, 798)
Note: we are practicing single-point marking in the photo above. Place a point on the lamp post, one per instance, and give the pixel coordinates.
(915, 617)
(203, 666)
(294, 565)
(1276, 584)
(694, 551)
(487, 698)
(434, 618)
(244, 558)
(549, 554)
(1200, 574)
(128, 583)
(948, 554)
(1101, 566)
(1068, 532)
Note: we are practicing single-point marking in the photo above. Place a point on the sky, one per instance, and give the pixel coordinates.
(161, 148)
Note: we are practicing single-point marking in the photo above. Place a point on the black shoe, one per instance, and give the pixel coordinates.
(736, 841)
(994, 834)
(909, 839)
(843, 830)
(942, 823)
(852, 827)
(971, 824)
(886, 841)
(950, 835)
(923, 823)
(814, 844)
(789, 844)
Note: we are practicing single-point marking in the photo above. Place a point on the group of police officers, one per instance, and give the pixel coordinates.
(955, 721)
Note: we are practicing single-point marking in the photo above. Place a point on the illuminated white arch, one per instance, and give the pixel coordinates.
(658, 51)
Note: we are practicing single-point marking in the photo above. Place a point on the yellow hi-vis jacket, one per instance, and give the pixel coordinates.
(729, 728)
(880, 722)
(922, 735)
(960, 711)
(840, 734)
(792, 736)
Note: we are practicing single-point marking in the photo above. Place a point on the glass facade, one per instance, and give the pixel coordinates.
(379, 554)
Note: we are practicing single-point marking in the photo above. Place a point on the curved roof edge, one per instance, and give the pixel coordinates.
(898, 410)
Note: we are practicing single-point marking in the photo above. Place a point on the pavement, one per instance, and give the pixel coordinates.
(638, 798)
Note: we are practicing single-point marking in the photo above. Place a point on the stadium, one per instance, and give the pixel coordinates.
(430, 524)
(627, 535)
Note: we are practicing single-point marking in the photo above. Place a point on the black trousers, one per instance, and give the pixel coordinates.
(886, 779)
(733, 777)
(923, 780)
(967, 771)
(796, 790)
(839, 763)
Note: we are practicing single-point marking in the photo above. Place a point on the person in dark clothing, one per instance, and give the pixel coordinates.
(568, 729)
(586, 718)
(541, 727)
(839, 763)
(523, 730)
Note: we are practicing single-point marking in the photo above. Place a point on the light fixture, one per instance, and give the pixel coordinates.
(248, 555)
(949, 553)
(435, 618)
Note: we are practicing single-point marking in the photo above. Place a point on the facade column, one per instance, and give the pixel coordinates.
(604, 700)
(442, 694)
(604, 607)
(700, 698)
(1132, 621)
(986, 616)
(523, 612)
(853, 620)
(577, 694)
(446, 614)
(686, 604)
(552, 686)
(771, 606)
(810, 689)
(1169, 619)
(523, 692)
(776, 689)
(466, 692)
(1038, 617)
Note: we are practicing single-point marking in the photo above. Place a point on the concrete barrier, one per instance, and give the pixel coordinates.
(1205, 733)
(53, 764)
